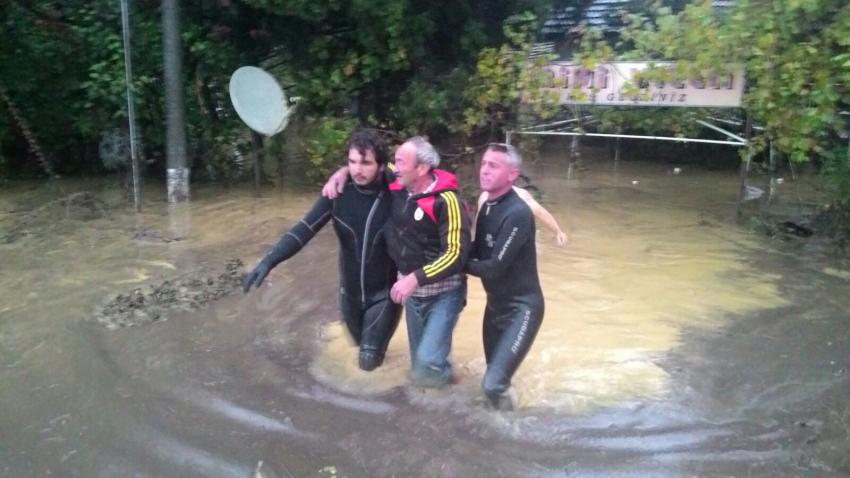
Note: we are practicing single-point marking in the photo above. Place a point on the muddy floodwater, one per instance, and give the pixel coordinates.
(676, 342)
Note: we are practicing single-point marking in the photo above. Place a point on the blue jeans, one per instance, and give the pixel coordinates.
(430, 322)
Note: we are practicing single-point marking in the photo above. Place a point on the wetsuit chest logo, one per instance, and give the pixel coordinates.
(418, 214)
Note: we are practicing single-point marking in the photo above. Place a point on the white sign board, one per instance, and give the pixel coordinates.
(603, 85)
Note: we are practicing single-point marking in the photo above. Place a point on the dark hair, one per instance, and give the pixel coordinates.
(363, 140)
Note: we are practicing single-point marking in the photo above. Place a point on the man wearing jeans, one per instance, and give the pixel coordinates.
(427, 237)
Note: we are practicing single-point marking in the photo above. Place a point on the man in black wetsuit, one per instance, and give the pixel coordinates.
(504, 257)
(366, 271)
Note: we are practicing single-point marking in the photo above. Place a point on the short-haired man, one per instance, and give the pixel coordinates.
(504, 257)
(428, 238)
(366, 271)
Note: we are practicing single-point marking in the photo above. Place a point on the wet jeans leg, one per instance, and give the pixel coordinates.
(430, 323)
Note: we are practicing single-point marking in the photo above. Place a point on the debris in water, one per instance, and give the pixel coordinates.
(139, 307)
(752, 192)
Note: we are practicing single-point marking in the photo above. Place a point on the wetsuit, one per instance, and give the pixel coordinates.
(505, 258)
(365, 269)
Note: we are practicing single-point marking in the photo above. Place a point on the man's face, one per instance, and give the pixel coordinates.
(406, 169)
(496, 174)
(362, 168)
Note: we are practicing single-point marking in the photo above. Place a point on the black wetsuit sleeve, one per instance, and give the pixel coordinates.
(301, 233)
(453, 225)
(513, 234)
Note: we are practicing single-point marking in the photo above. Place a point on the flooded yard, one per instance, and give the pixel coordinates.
(676, 342)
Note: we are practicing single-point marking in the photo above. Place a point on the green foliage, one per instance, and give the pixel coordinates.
(383, 54)
(506, 77)
(797, 60)
(410, 67)
(325, 145)
(39, 71)
(796, 55)
(395, 63)
(690, 39)
(99, 100)
(426, 105)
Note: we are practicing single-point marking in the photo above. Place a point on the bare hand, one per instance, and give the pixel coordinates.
(404, 288)
(561, 238)
(336, 183)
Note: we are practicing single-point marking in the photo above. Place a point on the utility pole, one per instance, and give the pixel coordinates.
(131, 110)
(177, 171)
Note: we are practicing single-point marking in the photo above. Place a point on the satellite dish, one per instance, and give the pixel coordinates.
(259, 100)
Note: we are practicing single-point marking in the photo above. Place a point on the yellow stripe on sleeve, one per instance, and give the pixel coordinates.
(453, 239)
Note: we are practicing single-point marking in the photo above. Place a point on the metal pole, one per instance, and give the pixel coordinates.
(631, 136)
(574, 154)
(175, 121)
(745, 168)
(556, 123)
(773, 170)
(131, 110)
(721, 130)
(257, 143)
(617, 150)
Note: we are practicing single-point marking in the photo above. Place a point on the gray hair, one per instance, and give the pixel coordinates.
(513, 156)
(425, 152)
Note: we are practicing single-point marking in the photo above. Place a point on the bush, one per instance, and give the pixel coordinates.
(325, 145)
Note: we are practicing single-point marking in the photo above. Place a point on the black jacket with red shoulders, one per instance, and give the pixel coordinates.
(428, 233)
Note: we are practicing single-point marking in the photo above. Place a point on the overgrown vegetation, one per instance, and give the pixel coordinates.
(796, 55)
(457, 68)
(394, 64)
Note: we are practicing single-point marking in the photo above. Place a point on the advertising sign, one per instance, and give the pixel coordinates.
(604, 85)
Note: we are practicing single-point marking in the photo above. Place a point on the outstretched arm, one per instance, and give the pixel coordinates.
(543, 215)
(290, 243)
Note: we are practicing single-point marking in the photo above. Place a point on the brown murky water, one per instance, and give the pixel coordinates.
(675, 343)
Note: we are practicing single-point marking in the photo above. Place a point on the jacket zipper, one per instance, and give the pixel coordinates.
(363, 253)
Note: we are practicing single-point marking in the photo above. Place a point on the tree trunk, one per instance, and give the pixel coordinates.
(27, 132)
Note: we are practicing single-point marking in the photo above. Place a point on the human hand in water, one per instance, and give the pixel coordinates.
(561, 237)
(336, 183)
(255, 277)
(403, 288)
